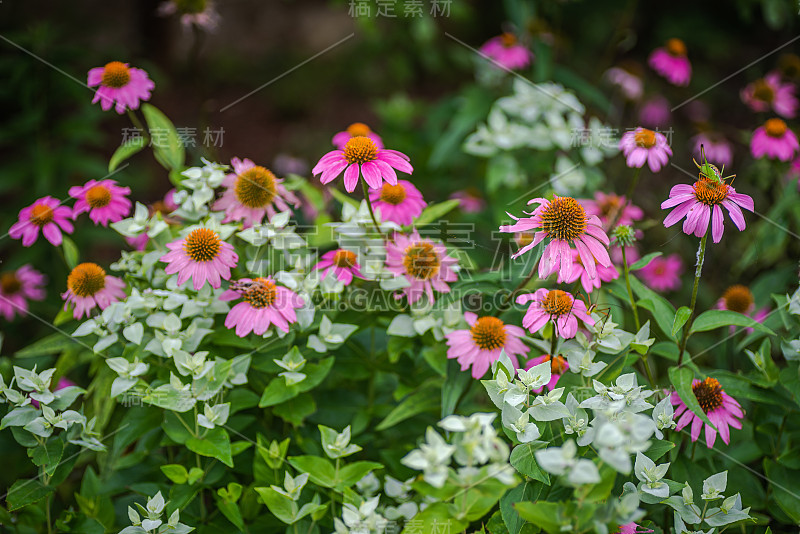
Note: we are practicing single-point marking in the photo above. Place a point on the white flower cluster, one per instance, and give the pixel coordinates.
(152, 522)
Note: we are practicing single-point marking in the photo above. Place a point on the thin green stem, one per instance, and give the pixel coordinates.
(553, 342)
(138, 125)
(626, 271)
(701, 256)
(369, 205)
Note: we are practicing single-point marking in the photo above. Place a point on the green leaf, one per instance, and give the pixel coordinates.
(70, 249)
(645, 261)
(658, 449)
(277, 391)
(167, 145)
(785, 487)
(125, 151)
(231, 512)
(281, 506)
(297, 409)
(455, 385)
(341, 197)
(681, 378)
(352, 473)
(523, 460)
(320, 470)
(52, 344)
(718, 318)
(176, 473)
(663, 312)
(48, 455)
(25, 492)
(215, 444)
(436, 516)
(542, 514)
(420, 401)
(527, 491)
(435, 211)
(681, 316)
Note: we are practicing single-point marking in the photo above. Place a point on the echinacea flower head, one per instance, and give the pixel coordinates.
(642, 146)
(88, 286)
(357, 129)
(342, 263)
(716, 147)
(17, 288)
(663, 273)
(480, 345)
(655, 112)
(423, 262)
(612, 207)
(702, 203)
(469, 201)
(401, 203)
(774, 140)
(507, 51)
(722, 410)
(604, 274)
(770, 92)
(202, 256)
(263, 303)
(252, 192)
(565, 222)
(629, 84)
(737, 298)
(362, 157)
(558, 366)
(47, 215)
(120, 84)
(671, 62)
(192, 12)
(632, 528)
(557, 306)
(104, 200)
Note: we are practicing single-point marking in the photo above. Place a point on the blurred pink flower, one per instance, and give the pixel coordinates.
(604, 274)
(401, 203)
(663, 273)
(774, 140)
(121, 84)
(722, 410)
(357, 129)
(104, 200)
(507, 51)
(630, 85)
(483, 342)
(425, 265)
(606, 206)
(17, 288)
(642, 146)
(557, 306)
(88, 286)
(717, 149)
(470, 203)
(343, 263)
(671, 62)
(769, 92)
(45, 214)
(195, 12)
(655, 112)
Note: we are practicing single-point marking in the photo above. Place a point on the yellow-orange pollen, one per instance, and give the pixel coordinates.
(763, 91)
(358, 129)
(557, 302)
(610, 206)
(738, 298)
(676, 47)
(710, 191)
(393, 194)
(261, 293)
(344, 258)
(421, 261)
(508, 39)
(41, 215)
(489, 333)
(775, 127)
(360, 150)
(645, 138)
(98, 196)
(564, 218)
(524, 238)
(202, 245)
(708, 393)
(9, 283)
(116, 74)
(86, 279)
(256, 187)
(558, 365)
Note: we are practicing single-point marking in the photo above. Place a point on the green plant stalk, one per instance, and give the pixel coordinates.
(369, 205)
(701, 255)
(626, 272)
(553, 341)
(138, 124)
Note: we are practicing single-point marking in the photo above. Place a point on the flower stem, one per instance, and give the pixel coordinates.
(369, 205)
(626, 272)
(553, 342)
(138, 125)
(701, 255)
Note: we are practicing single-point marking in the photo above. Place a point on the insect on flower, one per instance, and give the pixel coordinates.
(710, 171)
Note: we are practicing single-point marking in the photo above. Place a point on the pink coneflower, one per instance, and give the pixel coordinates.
(481, 345)
(671, 62)
(770, 92)
(343, 263)
(357, 129)
(104, 200)
(716, 148)
(507, 51)
(88, 286)
(17, 288)
(628, 83)
(361, 157)
(556, 305)
(263, 303)
(642, 146)
(401, 203)
(655, 112)
(607, 208)
(700, 204)
(565, 221)
(604, 274)
(201, 256)
(470, 201)
(632, 528)
(663, 273)
(774, 140)
(558, 366)
(721, 409)
(739, 298)
(192, 12)
(47, 215)
(252, 192)
(121, 84)
(425, 265)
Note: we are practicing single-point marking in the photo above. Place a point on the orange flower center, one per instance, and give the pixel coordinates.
(393, 194)
(421, 261)
(708, 393)
(360, 150)
(558, 365)
(738, 298)
(358, 129)
(676, 47)
(489, 333)
(710, 191)
(98, 196)
(775, 127)
(508, 39)
(610, 205)
(9, 283)
(202, 245)
(344, 258)
(41, 214)
(557, 302)
(261, 293)
(645, 138)
(86, 280)
(564, 218)
(762, 91)
(255, 187)
(116, 74)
